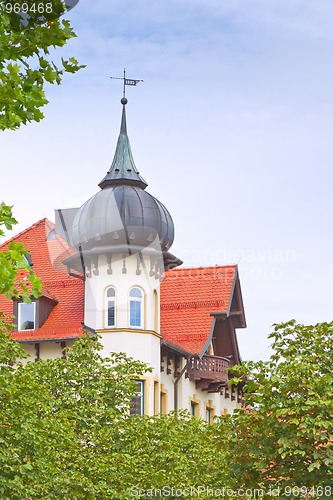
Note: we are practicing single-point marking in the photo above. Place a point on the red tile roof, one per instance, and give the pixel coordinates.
(47, 251)
(188, 297)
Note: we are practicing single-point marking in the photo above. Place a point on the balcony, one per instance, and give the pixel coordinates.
(210, 373)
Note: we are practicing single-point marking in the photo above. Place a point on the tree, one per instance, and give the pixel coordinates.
(25, 61)
(16, 276)
(65, 431)
(283, 436)
(57, 417)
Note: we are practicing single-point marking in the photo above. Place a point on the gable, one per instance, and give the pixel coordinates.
(190, 298)
(47, 250)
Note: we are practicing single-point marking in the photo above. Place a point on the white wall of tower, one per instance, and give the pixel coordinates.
(124, 273)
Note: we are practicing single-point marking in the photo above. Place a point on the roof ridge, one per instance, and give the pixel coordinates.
(46, 293)
(35, 224)
(64, 243)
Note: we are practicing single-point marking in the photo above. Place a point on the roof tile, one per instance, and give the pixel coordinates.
(188, 297)
(47, 251)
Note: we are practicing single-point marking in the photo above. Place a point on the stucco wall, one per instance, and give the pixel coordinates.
(141, 345)
(97, 284)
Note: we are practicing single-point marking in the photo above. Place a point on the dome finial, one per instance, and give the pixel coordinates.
(123, 170)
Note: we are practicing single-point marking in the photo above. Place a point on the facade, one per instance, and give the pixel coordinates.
(106, 268)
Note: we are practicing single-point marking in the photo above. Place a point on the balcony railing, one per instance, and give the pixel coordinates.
(212, 368)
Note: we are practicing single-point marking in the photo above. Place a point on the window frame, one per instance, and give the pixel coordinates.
(107, 300)
(139, 300)
(19, 314)
(140, 395)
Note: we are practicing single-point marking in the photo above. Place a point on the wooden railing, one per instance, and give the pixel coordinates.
(212, 368)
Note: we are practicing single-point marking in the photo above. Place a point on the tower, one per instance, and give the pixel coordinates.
(122, 236)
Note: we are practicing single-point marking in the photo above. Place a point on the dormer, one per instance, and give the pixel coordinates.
(32, 316)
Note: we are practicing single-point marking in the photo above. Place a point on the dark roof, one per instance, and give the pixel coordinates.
(123, 170)
(123, 215)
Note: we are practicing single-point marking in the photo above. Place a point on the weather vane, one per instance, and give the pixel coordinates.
(127, 81)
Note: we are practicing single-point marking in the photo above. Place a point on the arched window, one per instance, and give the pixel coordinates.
(110, 307)
(136, 307)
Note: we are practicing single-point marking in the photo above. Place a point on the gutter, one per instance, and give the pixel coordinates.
(52, 339)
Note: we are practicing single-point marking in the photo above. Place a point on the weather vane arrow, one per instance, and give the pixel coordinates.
(127, 81)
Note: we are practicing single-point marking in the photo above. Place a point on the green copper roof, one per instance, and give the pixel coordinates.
(123, 170)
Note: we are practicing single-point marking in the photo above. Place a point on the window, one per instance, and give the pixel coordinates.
(208, 415)
(164, 400)
(26, 316)
(156, 397)
(110, 307)
(194, 407)
(137, 407)
(136, 308)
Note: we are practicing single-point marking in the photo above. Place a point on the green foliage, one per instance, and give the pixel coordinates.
(284, 434)
(57, 419)
(16, 277)
(65, 431)
(175, 450)
(26, 65)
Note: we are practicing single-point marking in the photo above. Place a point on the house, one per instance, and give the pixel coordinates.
(106, 267)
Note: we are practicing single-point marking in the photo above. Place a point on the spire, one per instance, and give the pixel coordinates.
(123, 170)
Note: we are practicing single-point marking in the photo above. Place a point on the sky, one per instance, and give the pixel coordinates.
(231, 128)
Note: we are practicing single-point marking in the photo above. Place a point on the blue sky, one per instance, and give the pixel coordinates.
(231, 128)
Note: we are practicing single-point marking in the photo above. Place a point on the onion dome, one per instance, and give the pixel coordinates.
(122, 213)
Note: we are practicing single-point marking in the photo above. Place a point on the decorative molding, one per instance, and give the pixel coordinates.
(124, 269)
(129, 330)
(95, 266)
(138, 263)
(109, 262)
